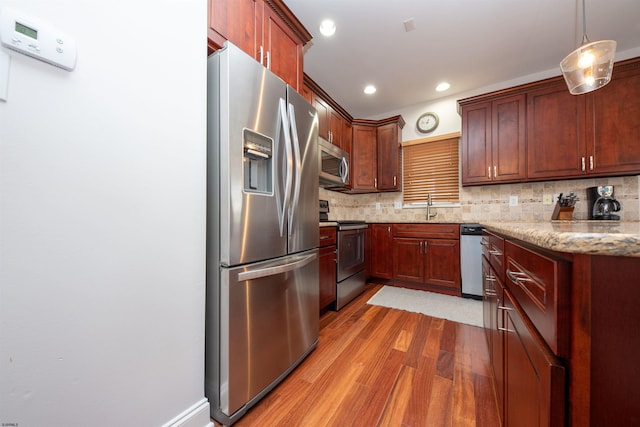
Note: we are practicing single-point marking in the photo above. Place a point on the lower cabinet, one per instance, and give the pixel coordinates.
(492, 300)
(327, 266)
(526, 334)
(380, 247)
(534, 378)
(427, 256)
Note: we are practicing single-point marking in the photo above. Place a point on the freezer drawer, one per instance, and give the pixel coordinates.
(267, 322)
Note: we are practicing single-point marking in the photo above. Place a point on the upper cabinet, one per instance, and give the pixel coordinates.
(265, 29)
(389, 160)
(540, 131)
(375, 157)
(493, 141)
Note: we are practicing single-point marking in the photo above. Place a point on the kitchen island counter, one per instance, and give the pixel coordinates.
(611, 238)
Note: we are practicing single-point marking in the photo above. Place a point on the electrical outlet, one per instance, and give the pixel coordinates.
(547, 199)
(513, 200)
(397, 205)
(378, 205)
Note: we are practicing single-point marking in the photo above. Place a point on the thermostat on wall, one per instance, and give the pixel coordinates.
(36, 38)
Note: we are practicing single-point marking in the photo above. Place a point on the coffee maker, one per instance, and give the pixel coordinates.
(601, 203)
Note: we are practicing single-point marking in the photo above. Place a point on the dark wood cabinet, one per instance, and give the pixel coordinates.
(555, 128)
(534, 378)
(596, 134)
(389, 160)
(364, 159)
(327, 266)
(330, 122)
(381, 261)
(375, 156)
(264, 29)
(492, 298)
(428, 256)
(493, 141)
(539, 131)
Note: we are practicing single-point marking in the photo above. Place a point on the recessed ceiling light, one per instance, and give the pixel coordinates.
(327, 28)
(370, 89)
(442, 87)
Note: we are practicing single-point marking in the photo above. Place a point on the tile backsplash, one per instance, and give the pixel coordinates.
(487, 202)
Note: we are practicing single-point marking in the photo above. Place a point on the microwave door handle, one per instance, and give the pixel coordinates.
(344, 170)
(286, 128)
(297, 165)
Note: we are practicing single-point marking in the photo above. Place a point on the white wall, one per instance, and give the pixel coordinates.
(102, 220)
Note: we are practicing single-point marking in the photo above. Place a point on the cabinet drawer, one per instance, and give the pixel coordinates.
(493, 250)
(327, 236)
(540, 284)
(427, 231)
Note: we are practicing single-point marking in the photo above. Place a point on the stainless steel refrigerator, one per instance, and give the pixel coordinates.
(262, 232)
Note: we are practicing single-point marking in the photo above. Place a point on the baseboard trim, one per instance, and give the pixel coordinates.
(196, 416)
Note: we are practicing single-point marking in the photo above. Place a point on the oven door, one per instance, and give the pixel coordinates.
(350, 252)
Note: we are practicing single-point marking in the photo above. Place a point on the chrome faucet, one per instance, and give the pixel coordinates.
(429, 204)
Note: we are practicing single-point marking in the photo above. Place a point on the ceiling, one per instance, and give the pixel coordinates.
(471, 44)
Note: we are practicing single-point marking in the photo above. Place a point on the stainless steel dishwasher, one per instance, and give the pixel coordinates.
(471, 260)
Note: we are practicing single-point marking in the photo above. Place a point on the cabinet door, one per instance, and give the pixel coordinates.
(496, 327)
(335, 127)
(615, 123)
(389, 155)
(323, 116)
(408, 259)
(364, 159)
(555, 133)
(283, 49)
(476, 143)
(508, 133)
(534, 377)
(239, 21)
(327, 270)
(381, 261)
(442, 266)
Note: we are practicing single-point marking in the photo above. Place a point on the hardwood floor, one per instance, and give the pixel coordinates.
(376, 366)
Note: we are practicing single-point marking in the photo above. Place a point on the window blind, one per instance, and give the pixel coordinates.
(431, 166)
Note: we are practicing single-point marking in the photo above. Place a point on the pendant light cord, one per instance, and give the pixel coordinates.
(585, 40)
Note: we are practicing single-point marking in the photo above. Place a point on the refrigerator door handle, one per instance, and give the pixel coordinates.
(286, 128)
(278, 269)
(297, 166)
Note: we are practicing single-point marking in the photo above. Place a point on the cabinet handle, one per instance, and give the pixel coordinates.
(489, 172)
(495, 252)
(421, 248)
(517, 277)
(389, 231)
(505, 329)
(394, 181)
(261, 54)
(583, 167)
(501, 307)
(324, 237)
(375, 182)
(268, 60)
(490, 278)
(490, 293)
(495, 173)
(590, 162)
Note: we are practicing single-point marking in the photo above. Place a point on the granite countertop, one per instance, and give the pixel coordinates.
(617, 238)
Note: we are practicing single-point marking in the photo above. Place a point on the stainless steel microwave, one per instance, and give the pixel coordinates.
(333, 165)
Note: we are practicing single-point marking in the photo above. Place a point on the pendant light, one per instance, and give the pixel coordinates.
(588, 67)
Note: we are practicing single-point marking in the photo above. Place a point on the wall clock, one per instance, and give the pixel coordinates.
(427, 122)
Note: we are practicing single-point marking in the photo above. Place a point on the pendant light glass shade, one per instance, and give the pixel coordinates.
(589, 67)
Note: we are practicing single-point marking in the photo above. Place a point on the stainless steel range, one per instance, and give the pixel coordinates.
(351, 275)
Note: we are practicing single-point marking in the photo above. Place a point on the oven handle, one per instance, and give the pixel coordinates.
(353, 227)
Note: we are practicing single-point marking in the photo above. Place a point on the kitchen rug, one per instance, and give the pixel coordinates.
(462, 310)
